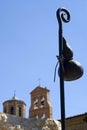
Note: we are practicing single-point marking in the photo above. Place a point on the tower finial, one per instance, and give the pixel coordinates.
(14, 93)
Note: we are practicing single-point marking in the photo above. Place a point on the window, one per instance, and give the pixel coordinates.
(42, 102)
(12, 110)
(36, 104)
(43, 116)
(20, 111)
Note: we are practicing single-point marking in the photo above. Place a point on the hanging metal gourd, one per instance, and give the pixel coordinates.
(72, 69)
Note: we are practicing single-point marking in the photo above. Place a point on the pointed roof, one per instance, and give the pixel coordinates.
(39, 88)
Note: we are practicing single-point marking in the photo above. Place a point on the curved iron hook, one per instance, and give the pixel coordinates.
(61, 16)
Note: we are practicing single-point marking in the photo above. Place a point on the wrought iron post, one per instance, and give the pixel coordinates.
(61, 12)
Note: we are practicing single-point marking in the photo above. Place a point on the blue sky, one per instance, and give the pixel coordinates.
(28, 49)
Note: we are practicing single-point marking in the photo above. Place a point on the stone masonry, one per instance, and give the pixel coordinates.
(12, 122)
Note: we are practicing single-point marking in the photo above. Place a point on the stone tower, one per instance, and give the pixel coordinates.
(40, 103)
(15, 106)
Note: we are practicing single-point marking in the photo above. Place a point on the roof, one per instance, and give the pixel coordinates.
(75, 116)
(14, 98)
(39, 88)
(83, 114)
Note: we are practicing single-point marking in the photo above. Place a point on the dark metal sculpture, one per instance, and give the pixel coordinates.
(68, 68)
(72, 69)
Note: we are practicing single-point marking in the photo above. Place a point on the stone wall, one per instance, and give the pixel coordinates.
(11, 122)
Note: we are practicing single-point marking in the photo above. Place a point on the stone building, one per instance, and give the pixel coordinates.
(40, 106)
(15, 106)
(40, 103)
(78, 122)
(40, 114)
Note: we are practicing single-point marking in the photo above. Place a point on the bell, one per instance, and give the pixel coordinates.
(67, 51)
(72, 70)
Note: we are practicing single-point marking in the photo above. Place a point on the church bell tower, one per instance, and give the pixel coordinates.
(40, 103)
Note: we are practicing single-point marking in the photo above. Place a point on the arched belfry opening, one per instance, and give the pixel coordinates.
(14, 106)
(40, 103)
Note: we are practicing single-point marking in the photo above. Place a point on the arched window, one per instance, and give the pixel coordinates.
(43, 116)
(36, 104)
(42, 102)
(20, 111)
(12, 110)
